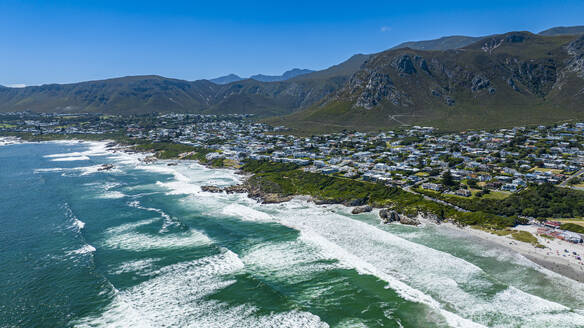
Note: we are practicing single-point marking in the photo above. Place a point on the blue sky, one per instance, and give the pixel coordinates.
(69, 41)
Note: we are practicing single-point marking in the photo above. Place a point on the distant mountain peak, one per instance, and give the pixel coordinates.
(263, 78)
(563, 30)
(443, 43)
(277, 78)
(227, 79)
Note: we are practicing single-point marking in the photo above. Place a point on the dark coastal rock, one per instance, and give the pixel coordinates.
(214, 189)
(431, 217)
(236, 189)
(355, 202)
(320, 201)
(106, 167)
(403, 219)
(388, 216)
(362, 209)
(275, 198)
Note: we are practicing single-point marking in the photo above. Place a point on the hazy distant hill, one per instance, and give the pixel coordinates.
(501, 80)
(140, 94)
(261, 77)
(443, 43)
(563, 30)
(226, 79)
(286, 76)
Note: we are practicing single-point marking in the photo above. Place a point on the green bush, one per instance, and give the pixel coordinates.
(543, 200)
(572, 227)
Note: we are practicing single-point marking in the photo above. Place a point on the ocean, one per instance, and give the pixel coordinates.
(141, 246)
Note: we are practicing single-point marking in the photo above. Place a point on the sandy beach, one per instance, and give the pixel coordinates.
(553, 257)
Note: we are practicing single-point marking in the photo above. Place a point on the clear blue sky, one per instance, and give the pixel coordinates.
(69, 41)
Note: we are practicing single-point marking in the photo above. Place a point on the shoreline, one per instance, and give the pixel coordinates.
(544, 257)
(557, 263)
(553, 263)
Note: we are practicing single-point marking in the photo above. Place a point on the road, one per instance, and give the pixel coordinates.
(575, 175)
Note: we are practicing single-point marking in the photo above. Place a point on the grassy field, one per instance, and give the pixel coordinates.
(497, 195)
(542, 169)
(526, 237)
(579, 222)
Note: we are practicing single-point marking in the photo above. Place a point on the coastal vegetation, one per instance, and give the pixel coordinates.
(287, 180)
(572, 227)
(538, 201)
(525, 237)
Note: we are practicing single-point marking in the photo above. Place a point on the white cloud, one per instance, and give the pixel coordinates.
(385, 29)
(16, 85)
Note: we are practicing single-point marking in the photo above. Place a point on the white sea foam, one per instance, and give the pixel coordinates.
(141, 267)
(95, 149)
(176, 298)
(85, 170)
(78, 224)
(112, 195)
(83, 250)
(5, 141)
(125, 236)
(245, 212)
(140, 241)
(167, 220)
(444, 279)
(292, 261)
(52, 169)
(130, 226)
(416, 272)
(189, 177)
(70, 159)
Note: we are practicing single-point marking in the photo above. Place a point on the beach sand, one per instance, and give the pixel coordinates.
(553, 257)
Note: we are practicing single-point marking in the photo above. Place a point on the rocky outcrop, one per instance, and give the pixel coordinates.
(576, 51)
(403, 219)
(388, 216)
(236, 189)
(362, 209)
(404, 64)
(106, 167)
(479, 82)
(379, 89)
(431, 217)
(213, 189)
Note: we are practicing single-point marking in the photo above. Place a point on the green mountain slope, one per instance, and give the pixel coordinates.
(563, 30)
(502, 80)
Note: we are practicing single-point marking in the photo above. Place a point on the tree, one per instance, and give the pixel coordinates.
(472, 183)
(448, 180)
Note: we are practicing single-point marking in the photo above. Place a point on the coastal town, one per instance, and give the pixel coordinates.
(456, 169)
(502, 161)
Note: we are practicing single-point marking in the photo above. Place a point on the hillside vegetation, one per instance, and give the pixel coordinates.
(505, 80)
(541, 201)
(287, 180)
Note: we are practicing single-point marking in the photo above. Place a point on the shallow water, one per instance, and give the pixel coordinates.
(142, 246)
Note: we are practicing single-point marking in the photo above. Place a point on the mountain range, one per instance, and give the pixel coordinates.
(453, 83)
(261, 77)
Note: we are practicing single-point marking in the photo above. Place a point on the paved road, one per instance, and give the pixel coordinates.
(439, 201)
(577, 174)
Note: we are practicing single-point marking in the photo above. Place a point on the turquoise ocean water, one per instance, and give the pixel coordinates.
(142, 246)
